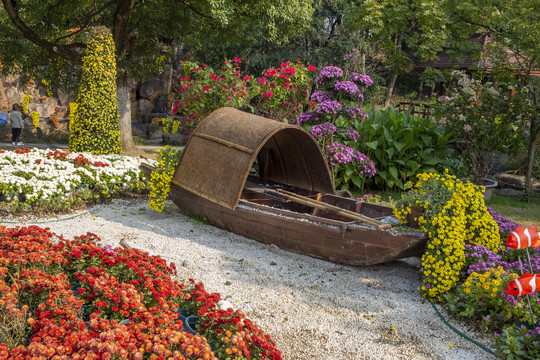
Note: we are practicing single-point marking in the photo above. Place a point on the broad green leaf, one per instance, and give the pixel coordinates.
(393, 171)
(372, 144)
(399, 145)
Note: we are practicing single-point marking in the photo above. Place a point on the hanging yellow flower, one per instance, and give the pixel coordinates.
(25, 102)
(452, 213)
(160, 180)
(35, 119)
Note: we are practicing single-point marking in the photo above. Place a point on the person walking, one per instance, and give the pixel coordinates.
(17, 125)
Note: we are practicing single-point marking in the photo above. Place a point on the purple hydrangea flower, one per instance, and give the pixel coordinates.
(319, 131)
(349, 87)
(319, 96)
(364, 164)
(356, 112)
(351, 134)
(306, 117)
(328, 72)
(339, 154)
(362, 79)
(329, 107)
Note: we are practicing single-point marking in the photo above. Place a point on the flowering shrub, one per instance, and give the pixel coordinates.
(205, 90)
(96, 127)
(42, 177)
(452, 213)
(336, 108)
(481, 298)
(284, 92)
(25, 102)
(75, 299)
(481, 115)
(349, 165)
(35, 119)
(160, 180)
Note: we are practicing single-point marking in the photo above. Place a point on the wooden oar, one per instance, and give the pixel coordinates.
(316, 210)
(331, 208)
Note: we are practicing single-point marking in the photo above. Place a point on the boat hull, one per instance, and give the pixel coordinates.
(345, 242)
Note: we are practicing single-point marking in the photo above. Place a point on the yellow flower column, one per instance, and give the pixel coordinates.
(95, 126)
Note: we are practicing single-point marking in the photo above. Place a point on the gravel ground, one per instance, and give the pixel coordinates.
(312, 308)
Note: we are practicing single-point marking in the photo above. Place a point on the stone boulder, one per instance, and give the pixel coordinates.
(63, 98)
(135, 111)
(149, 88)
(145, 106)
(14, 96)
(180, 139)
(3, 97)
(140, 129)
(147, 118)
(44, 109)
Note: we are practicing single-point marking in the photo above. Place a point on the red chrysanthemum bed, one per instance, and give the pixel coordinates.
(76, 299)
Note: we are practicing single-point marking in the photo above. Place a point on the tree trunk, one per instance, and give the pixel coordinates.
(530, 158)
(124, 112)
(420, 90)
(394, 74)
(390, 89)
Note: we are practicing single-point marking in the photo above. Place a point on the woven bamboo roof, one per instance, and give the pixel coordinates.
(221, 151)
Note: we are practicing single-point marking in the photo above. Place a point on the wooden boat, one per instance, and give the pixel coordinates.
(269, 181)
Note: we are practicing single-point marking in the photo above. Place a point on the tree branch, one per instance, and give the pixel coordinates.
(88, 20)
(29, 34)
(190, 6)
(11, 33)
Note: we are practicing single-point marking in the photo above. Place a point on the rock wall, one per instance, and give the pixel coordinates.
(148, 99)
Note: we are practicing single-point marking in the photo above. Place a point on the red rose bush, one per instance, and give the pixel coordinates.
(75, 299)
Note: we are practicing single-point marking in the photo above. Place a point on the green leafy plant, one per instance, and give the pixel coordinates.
(517, 343)
(401, 146)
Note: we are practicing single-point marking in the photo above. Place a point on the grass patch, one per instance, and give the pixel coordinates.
(515, 209)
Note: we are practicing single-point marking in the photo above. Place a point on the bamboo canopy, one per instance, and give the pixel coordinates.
(217, 159)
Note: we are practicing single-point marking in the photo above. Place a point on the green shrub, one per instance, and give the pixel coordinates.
(401, 146)
(95, 127)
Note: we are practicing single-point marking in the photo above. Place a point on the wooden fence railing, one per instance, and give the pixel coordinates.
(422, 110)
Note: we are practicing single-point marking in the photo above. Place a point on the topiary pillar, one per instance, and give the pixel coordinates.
(95, 128)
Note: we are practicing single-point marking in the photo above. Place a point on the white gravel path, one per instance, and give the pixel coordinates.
(313, 309)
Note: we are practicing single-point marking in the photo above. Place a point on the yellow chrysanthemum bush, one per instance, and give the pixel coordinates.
(482, 291)
(95, 127)
(160, 180)
(35, 119)
(452, 213)
(25, 102)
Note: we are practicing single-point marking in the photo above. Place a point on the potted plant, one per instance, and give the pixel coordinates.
(481, 118)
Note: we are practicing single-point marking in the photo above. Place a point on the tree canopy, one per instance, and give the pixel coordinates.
(45, 38)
